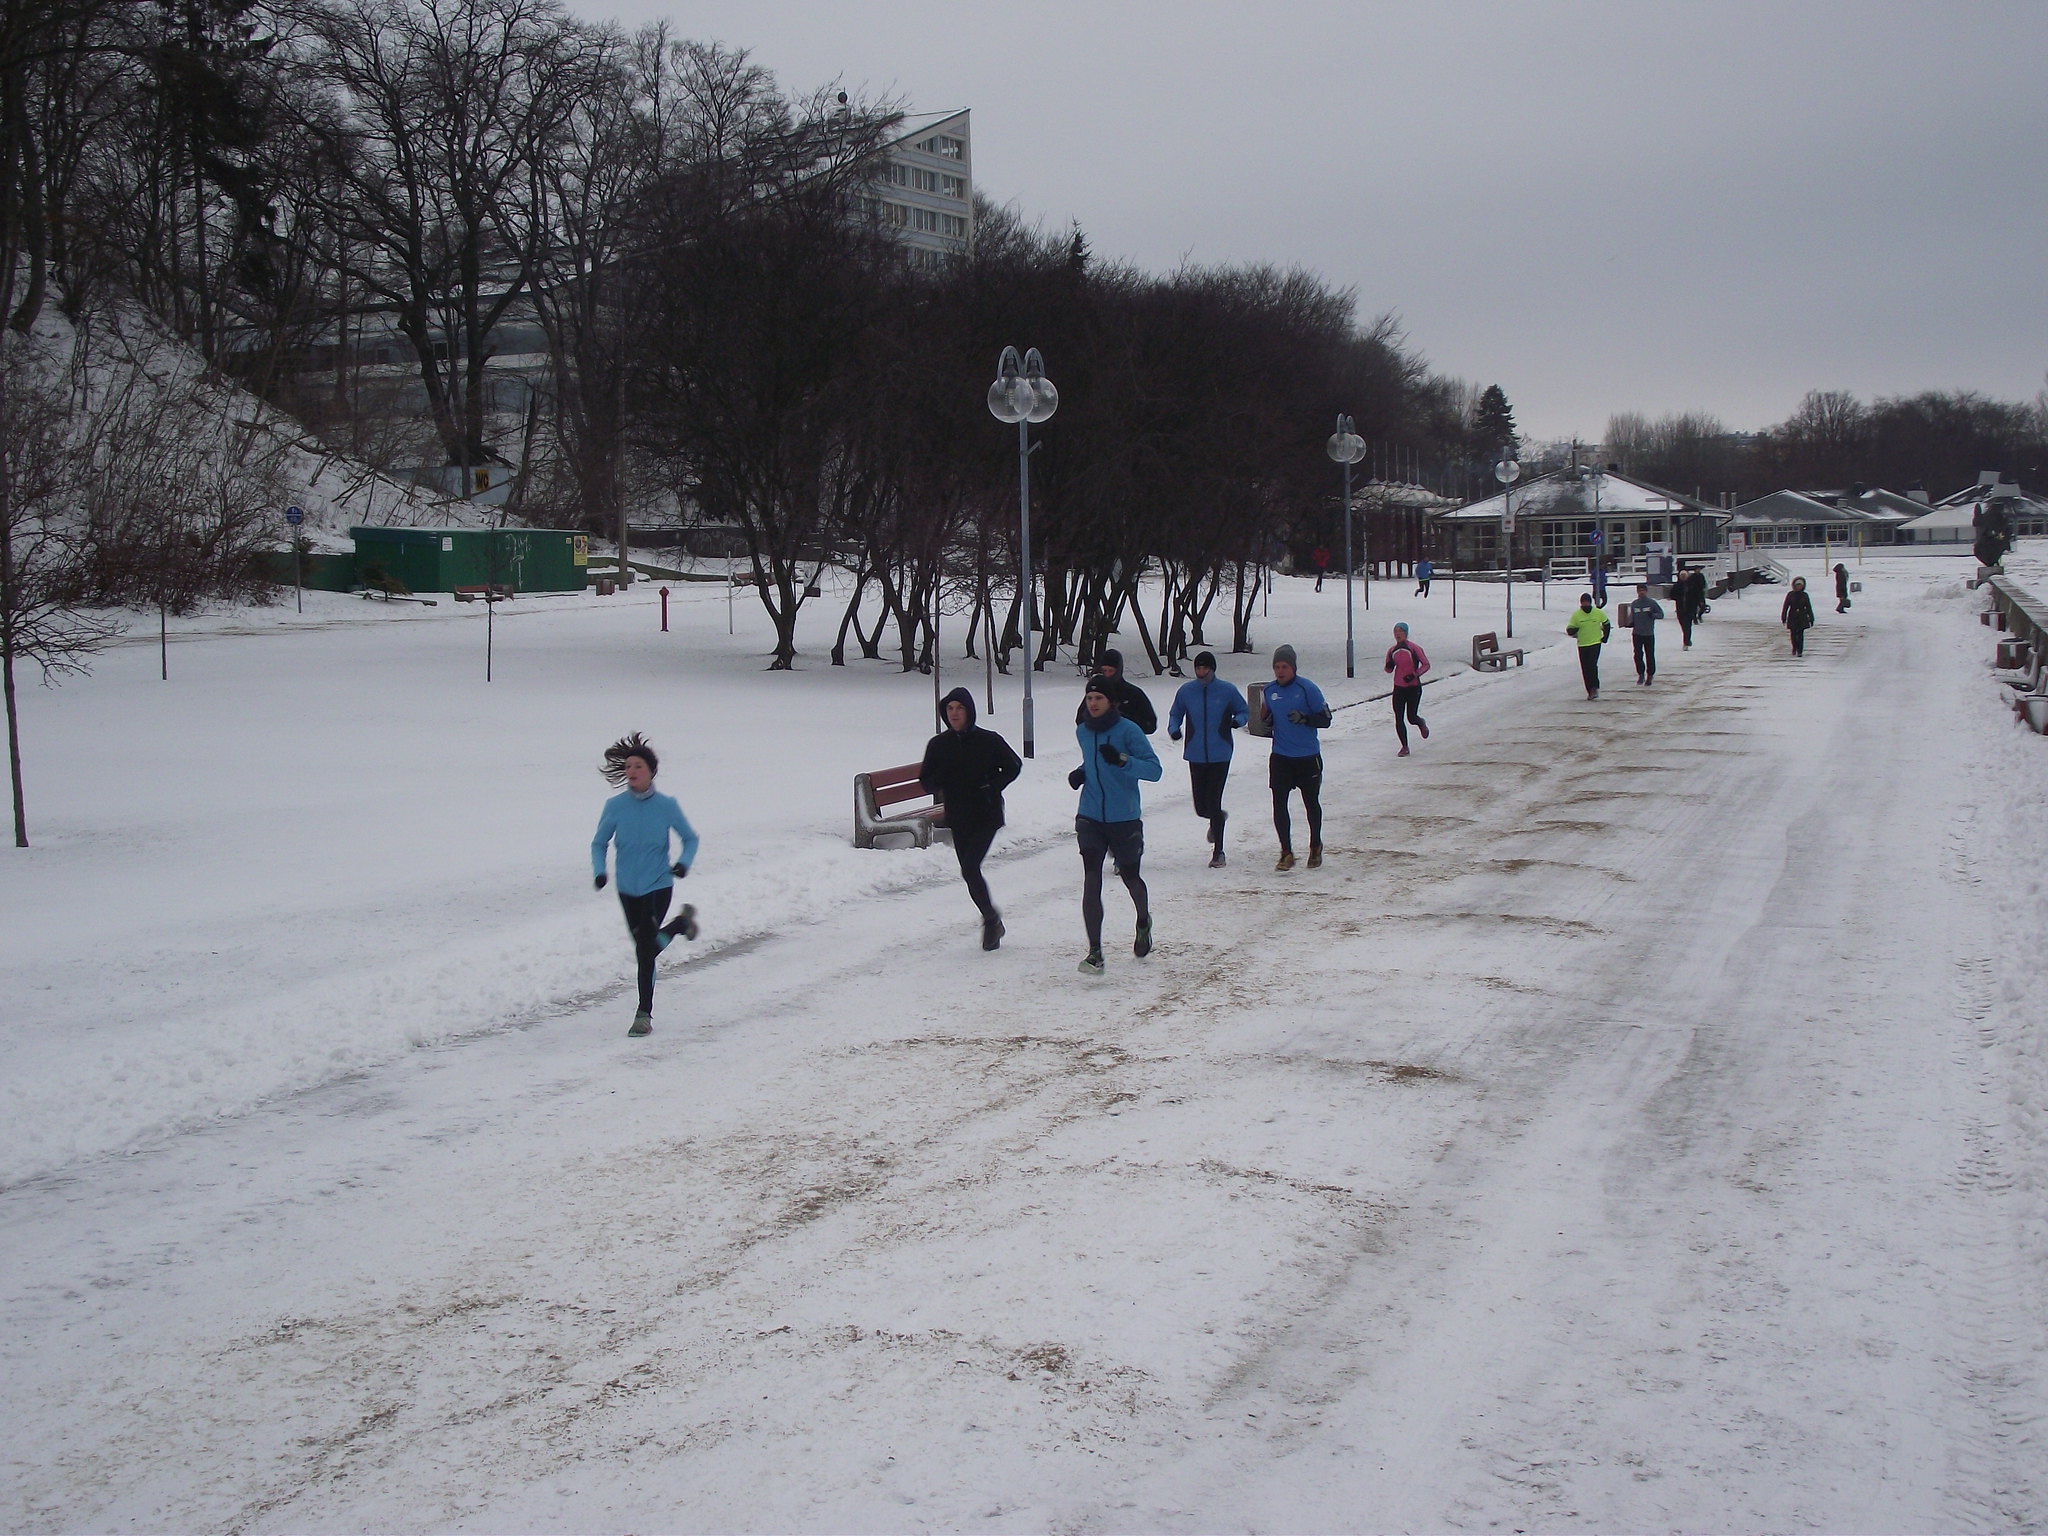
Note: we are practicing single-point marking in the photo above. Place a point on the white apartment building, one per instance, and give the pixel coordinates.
(925, 194)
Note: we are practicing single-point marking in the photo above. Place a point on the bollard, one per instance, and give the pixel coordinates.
(664, 610)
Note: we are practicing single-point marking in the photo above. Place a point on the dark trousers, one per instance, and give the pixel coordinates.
(970, 847)
(1589, 667)
(1286, 775)
(1646, 657)
(1407, 706)
(644, 916)
(1798, 639)
(1422, 587)
(1207, 780)
(1098, 840)
(1686, 619)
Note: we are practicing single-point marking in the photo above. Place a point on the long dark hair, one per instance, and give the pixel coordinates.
(615, 755)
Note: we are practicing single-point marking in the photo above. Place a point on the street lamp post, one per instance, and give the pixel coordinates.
(1023, 394)
(1346, 447)
(1507, 472)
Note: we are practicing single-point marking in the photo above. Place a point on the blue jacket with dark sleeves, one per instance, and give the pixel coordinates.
(640, 825)
(1109, 792)
(1282, 699)
(1209, 711)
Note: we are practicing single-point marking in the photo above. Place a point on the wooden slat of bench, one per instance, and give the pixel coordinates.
(881, 777)
(897, 792)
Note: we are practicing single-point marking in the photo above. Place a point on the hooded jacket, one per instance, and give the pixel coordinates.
(1127, 696)
(1798, 610)
(969, 770)
(1109, 792)
(1209, 711)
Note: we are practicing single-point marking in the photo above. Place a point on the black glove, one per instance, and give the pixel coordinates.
(1077, 778)
(1114, 758)
(600, 882)
(1173, 735)
(679, 869)
(1296, 717)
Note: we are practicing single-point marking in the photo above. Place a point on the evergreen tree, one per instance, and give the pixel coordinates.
(1493, 424)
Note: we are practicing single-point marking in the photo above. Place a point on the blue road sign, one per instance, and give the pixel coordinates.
(1593, 537)
(295, 515)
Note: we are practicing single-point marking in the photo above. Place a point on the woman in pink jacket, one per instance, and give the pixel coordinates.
(1406, 661)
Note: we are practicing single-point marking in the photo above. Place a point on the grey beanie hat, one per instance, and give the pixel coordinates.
(1285, 653)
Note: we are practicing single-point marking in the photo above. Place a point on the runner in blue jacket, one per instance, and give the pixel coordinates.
(1115, 757)
(1297, 710)
(1206, 711)
(638, 821)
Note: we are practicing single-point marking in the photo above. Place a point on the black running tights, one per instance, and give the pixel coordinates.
(1091, 893)
(970, 847)
(644, 915)
(1407, 706)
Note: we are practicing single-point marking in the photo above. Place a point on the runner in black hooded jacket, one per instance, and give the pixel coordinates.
(968, 768)
(1127, 696)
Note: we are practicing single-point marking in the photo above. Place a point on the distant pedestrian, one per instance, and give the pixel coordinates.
(638, 821)
(1425, 570)
(1691, 601)
(1109, 822)
(1205, 712)
(1841, 589)
(1600, 583)
(1642, 616)
(1131, 700)
(1407, 662)
(967, 768)
(1797, 614)
(1589, 627)
(1295, 710)
(1320, 558)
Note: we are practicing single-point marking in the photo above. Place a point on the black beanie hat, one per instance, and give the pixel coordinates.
(1206, 659)
(1114, 659)
(1102, 685)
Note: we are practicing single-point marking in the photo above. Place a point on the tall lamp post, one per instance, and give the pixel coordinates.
(1507, 472)
(1347, 448)
(1023, 394)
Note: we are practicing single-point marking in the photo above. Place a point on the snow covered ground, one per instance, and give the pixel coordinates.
(1639, 1123)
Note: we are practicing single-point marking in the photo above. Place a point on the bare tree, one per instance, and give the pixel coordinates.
(38, 548)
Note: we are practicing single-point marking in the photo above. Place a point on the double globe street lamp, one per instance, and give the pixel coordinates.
(1347, 448)
(1023, 394)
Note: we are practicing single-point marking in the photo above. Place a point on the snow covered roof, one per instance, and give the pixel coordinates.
(915, 124)
(1790, 507)
(1395, 493)
(1951, 514)
(1887, 506)
(1563, 494)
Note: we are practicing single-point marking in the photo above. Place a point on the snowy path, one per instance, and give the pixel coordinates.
(1621, 1132)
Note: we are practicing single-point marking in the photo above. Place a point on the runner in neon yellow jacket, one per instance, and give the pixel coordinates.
(1589, 626)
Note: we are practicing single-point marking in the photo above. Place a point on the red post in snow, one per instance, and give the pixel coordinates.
(664, 610)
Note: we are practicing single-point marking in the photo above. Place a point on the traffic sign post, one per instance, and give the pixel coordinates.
(295, 516)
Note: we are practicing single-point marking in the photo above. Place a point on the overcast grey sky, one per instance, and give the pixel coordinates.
(1601, 207)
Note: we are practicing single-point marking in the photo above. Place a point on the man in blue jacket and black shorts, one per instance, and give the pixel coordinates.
(1297, 709)
(1207, 710)
(1109, 822)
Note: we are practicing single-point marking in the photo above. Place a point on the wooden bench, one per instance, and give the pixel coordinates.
(489, 593)
(1487, 656)
(892, 786)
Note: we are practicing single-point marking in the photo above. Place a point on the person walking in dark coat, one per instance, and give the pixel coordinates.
(967, 768)
(1691, 601)
(1206, 711)
(1797, 614)
(1642, 616)
(1841, 589)
(1130, 700)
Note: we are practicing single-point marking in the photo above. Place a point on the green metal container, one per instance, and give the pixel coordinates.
(442, 559)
